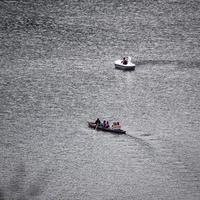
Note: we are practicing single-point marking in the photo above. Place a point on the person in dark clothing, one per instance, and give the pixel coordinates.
(124, 61)
(97, 122)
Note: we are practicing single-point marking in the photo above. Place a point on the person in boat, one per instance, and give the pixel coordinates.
(114, 125)
(118, 125)
(107, 124)
(104, 123)
(124, 61)
(97, 122)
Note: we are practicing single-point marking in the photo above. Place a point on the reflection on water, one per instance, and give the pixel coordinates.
(57, 73)
(20, 187)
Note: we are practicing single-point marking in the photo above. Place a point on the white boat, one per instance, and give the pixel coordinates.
(129, 66)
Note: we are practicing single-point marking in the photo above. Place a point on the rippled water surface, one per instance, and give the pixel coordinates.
(57, 73)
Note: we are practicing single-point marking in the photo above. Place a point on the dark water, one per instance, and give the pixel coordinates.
(57, 73)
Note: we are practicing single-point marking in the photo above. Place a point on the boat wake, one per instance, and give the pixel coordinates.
(140, 141)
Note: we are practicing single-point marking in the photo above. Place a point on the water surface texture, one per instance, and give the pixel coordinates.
(57, 73)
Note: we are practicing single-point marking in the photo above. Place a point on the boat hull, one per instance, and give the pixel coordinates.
(116, 131)
(124, 67)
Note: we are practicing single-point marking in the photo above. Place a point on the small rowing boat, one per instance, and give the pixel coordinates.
(127, 66)
(112, 130)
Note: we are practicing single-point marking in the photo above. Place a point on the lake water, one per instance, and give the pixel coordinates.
(57, 73)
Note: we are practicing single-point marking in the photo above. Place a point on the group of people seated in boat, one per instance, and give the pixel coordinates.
(105, 124)
(116, 125)
(124, 61)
